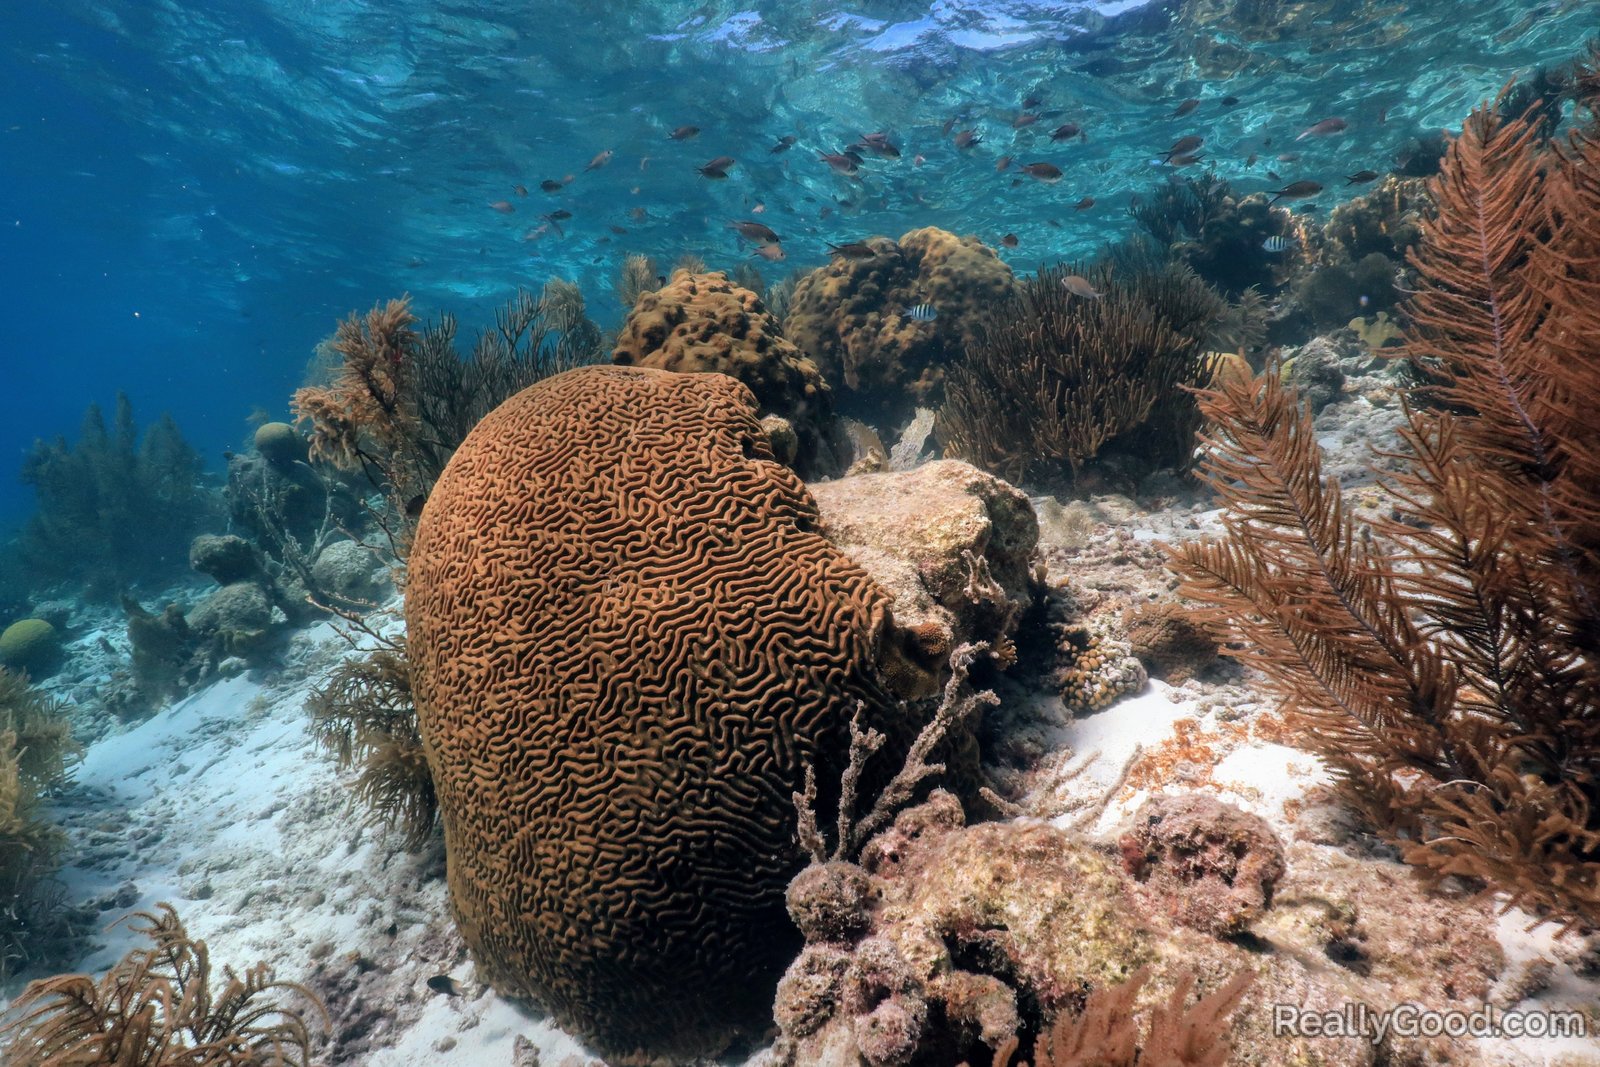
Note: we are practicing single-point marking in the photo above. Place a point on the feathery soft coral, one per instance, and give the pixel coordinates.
(1448, 670)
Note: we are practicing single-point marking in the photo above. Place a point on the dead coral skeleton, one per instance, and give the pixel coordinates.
(956, 708)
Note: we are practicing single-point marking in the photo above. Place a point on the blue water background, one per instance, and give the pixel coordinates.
(192, 193)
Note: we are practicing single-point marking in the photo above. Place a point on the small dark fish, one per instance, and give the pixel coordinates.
(840, 162)
(879, 144)
(1288, 157)
(1084, 205)
(1001, 164)
(1250, 162)
(638, 214)
(1184, 145)
(1229, 101)
(852, 250)
(1272, 176)
(968, 138)
(1325, 128)
(558, 215)
(949, 124)
(716, 169)
(1048, 173)
(1009, 240)
(443, 983)
(599, 160)
(550, 185)
(683, 133)
(520, 190)
(1033, 101)
(1296, 191)
(505, 207)
(922, 313)
(1079, 286)
(1066, 131)
(1383, 115)
(824, 213)
(1027, 118)
(413, 509)
(785, 143)
(1360, 177)
(1184, 160)
(771, 252)
(755, 231)
(853, 156)
(618, 230)
(1185, 107)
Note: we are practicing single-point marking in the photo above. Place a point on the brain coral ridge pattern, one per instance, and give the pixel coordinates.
(627, 639)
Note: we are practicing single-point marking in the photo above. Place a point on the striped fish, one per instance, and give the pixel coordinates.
(1278, 244)
(922, 313)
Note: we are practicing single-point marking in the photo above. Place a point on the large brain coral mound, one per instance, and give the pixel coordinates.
(627, 641)
(853, 317)
(705, 323)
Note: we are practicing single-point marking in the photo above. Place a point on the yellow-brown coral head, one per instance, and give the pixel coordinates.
(627, 640)
(700, 323)
(856, 318)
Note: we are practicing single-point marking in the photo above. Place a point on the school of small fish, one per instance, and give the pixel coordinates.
(847, 160)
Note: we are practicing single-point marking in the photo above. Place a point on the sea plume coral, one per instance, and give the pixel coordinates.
(157, 1008)
(1448, 669)
(399, 401)
(364, 717)
(1065, 387)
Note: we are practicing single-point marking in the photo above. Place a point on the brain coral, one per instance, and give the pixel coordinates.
(850, 317)
(704, 322)
(627, 639)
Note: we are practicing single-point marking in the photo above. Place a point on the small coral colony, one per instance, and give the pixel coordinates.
(701, 682)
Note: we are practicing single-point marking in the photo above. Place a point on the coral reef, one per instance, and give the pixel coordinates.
(851, 317)
(31, 645)
(954, 548)
(36, 750)
(1094, 667)
(703, 323)
(115, 508)
(226, 558)
(1069, 390)
(156, 1008)
(617, 712)
(1447, 667)
(948, 943)
(364, 716)
(1203, 224)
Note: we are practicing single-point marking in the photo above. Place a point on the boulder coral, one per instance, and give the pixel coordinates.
(700, 323)
(31, 645)
(628, 641)
(852, 317)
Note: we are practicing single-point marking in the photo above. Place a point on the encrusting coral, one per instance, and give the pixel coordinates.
(854, 318)
(157, 1007)
(700, 323)
(1448, 668)
(617, 710)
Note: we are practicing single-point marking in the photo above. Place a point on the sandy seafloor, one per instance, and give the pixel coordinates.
(223, 805)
